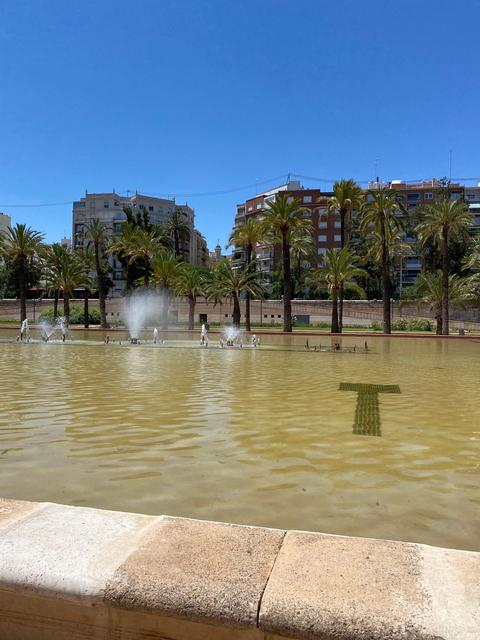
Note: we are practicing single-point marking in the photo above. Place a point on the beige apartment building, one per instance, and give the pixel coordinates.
(5, 222)
(109, 209)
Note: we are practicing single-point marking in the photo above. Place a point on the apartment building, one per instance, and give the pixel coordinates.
(5, 222)
(325, 225)
(109, 209)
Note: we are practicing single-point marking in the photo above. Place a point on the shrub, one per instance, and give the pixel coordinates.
(415, 324)
(76, 315)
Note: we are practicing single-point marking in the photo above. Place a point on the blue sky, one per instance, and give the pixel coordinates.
(190, 97)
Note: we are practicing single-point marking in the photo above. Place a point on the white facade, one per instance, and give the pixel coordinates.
(5, 222)
(108, 208)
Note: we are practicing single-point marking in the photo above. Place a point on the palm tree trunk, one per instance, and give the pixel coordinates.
(387, 327)
(191, 312)
(287, 286)
(445, 292)
(343, 241)
(55, 304)
(165, 305)
(177, 243)
(335, 327)
(66, 307)
(236, 311)
(101, 288)
(85, 309)
(438, 318)
(22, 289)
(247, 297)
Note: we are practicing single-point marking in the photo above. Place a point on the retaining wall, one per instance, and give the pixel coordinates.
(77, 573)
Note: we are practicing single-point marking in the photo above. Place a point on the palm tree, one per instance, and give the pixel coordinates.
(302, 248)
(180, 230)
(380, 216)
(282, 218)
(348, 197)
(473, 260)
(428, 288)
(97, 234)
(165, 269)
(53, 256)
(228, 283)
(340, 267)
(190, 282)
(67, 271)
(18, 245)
(144, 247)
(443, 222)
(247, 236)
(87, 257)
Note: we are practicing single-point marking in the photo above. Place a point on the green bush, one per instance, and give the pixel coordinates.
(376, 326)
(415, 324)
(76, 315)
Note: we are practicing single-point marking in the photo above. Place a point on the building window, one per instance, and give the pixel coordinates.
(118, 275)
(428, 195)
(413, 197)
(322, 238)
(117, 227)
(106, 204)
(290, 199)
(259, 205)
(250, 209)
(455, 196)
(323, 224)
(79, 228)
(337, 224)
(307, 199)
(321, 251)
(337, 238)
(307, 214)
(150, 208)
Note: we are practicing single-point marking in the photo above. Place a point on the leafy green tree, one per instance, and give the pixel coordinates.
(248, 236)
(347, 198)
(302, 248)
(228, 283)
(66, 271)
(472, 261)
(178, 226)
(165, 269)
(19, 245)
(190, 282)
(339, 270)
(428, 288)
(380, 217)
(97, 236)
(87, 257)
(443, 222)
(282, 218)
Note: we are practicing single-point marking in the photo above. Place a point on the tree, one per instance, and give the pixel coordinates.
(338, 273)
(379, 215)
(19, 245)
(428, 288)
(144, 247)
(282, 218)
(228, 283)
(165, 269)
(66, 271)
(190, 282)
(247, 236)
(87, 257)
(302, 248)
(97, 234)
(443, 222)
(473, 260)
(180, 230)
(348, 197)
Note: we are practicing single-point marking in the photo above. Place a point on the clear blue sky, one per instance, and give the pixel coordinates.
(183, 96)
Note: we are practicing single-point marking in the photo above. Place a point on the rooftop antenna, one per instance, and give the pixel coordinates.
(375, 172)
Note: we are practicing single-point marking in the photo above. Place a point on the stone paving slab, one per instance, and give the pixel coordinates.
(337, 588)
(198, 570)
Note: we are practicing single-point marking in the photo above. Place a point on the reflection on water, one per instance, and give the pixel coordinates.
(255, 436)
(367, 412)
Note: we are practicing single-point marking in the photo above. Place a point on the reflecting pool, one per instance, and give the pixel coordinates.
(379, 443)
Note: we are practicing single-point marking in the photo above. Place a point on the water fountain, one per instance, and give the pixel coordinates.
(137, 308)
(48, 329)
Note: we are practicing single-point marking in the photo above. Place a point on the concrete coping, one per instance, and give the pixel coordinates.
(74, 572)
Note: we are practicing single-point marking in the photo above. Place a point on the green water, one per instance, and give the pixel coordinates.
(275, 436)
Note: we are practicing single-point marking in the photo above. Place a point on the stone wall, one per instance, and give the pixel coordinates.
(267, 312)
(69, 573)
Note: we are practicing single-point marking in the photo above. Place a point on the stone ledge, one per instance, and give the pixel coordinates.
(71, 572)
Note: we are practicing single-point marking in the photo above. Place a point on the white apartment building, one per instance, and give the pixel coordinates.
(5, 222)
(109, 209)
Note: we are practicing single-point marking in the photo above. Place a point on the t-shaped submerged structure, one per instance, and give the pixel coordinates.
(367, 412)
